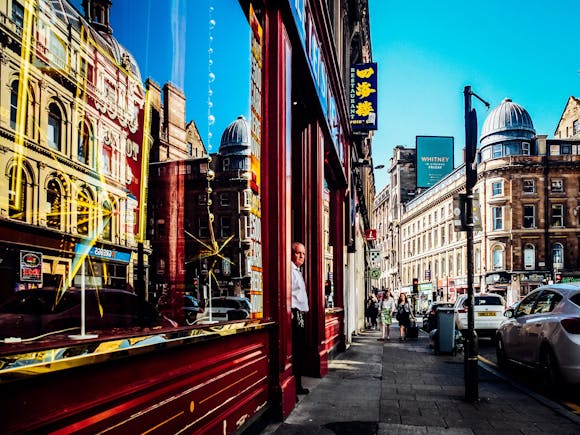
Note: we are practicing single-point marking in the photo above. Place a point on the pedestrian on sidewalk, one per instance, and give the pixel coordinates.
(368, 304)
(374, 311)
(404, 315)
(299, 309)
(387, 308)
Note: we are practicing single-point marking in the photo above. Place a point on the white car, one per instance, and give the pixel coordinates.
(227, 308)
(543, 332)
(488, 312)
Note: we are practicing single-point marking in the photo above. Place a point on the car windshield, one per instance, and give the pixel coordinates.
(225, 303)
(489, 300)
(576, 299)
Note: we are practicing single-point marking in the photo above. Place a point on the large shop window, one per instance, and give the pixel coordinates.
(177, 243)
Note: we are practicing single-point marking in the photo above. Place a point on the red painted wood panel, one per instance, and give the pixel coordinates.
(333, 332)
(211, 386)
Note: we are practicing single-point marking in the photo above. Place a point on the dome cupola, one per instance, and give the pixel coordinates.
(507, 122)
(236, 138)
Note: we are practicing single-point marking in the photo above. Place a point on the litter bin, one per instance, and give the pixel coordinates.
(446, 331)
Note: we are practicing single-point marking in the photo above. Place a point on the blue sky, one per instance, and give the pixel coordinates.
(428, 51)
(170, 41)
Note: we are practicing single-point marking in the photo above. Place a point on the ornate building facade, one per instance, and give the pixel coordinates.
(528, 194)
(71, 139)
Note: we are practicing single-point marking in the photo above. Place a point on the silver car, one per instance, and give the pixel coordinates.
(543, 332)
(228, 308)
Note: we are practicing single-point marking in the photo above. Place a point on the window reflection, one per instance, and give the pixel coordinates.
(76, 178)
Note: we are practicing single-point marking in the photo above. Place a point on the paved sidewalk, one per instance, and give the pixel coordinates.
(404, 388)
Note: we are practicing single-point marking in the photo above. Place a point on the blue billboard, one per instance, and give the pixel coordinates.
(434, 159)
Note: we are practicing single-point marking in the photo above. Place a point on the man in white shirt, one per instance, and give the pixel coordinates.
(299, 308)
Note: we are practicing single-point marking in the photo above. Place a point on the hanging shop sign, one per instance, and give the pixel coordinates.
(363, 96)
(371, 234)
(31, 267)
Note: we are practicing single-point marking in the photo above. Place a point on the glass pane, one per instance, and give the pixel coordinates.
(178, 85)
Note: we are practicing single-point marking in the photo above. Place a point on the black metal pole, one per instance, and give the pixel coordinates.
(470, 355)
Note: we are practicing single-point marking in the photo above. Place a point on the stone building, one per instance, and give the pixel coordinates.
(529, 200)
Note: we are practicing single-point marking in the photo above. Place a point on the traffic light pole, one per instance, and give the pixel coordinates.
(471, 351)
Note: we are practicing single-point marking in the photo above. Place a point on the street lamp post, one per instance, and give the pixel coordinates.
(471, 359)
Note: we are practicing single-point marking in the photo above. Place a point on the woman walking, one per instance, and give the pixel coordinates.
(386, 310)
(404, 316)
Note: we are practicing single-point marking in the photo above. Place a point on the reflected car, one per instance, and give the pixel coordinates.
(30, 313)
(543, 332)
(191, 309)
(228, 308)
(430, 316)
(488, 311)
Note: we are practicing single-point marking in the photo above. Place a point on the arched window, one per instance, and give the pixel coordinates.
(85, 141)
(107, 221)
(54, 204)
(85, 203)
(558, 256)
(18, 194)
(497, 255)
(54, 129)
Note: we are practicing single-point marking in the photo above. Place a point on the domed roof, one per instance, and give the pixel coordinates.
(236, 138)
(508, 121)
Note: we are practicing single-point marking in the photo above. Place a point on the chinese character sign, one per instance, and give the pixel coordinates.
(363, 96)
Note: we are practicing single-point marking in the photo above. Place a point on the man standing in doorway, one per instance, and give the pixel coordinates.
(299, 309)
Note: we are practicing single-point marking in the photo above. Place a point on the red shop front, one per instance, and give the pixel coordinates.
(221, 378)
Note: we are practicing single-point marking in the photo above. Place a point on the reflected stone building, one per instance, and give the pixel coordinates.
(184, 192)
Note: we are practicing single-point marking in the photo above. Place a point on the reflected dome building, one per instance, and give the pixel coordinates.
(235, 145)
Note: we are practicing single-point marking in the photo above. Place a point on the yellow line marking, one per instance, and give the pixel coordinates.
(488, 362)
(573, 407)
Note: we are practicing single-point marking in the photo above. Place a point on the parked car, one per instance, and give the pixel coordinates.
(228, 308)
(488, 311)
(543, 332)
(30, 313)
(430, 316)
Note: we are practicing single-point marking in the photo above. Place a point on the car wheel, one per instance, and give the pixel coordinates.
(190, 317)
(550, 369)
(500, 353)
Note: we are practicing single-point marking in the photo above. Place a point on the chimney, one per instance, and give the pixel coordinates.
(97, 14)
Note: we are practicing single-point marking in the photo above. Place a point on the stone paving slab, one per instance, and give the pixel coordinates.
(394, 387)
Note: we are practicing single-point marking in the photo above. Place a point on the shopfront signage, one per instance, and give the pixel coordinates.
(31, 267)
(317, 64)
(254, 257)
(103, 253)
